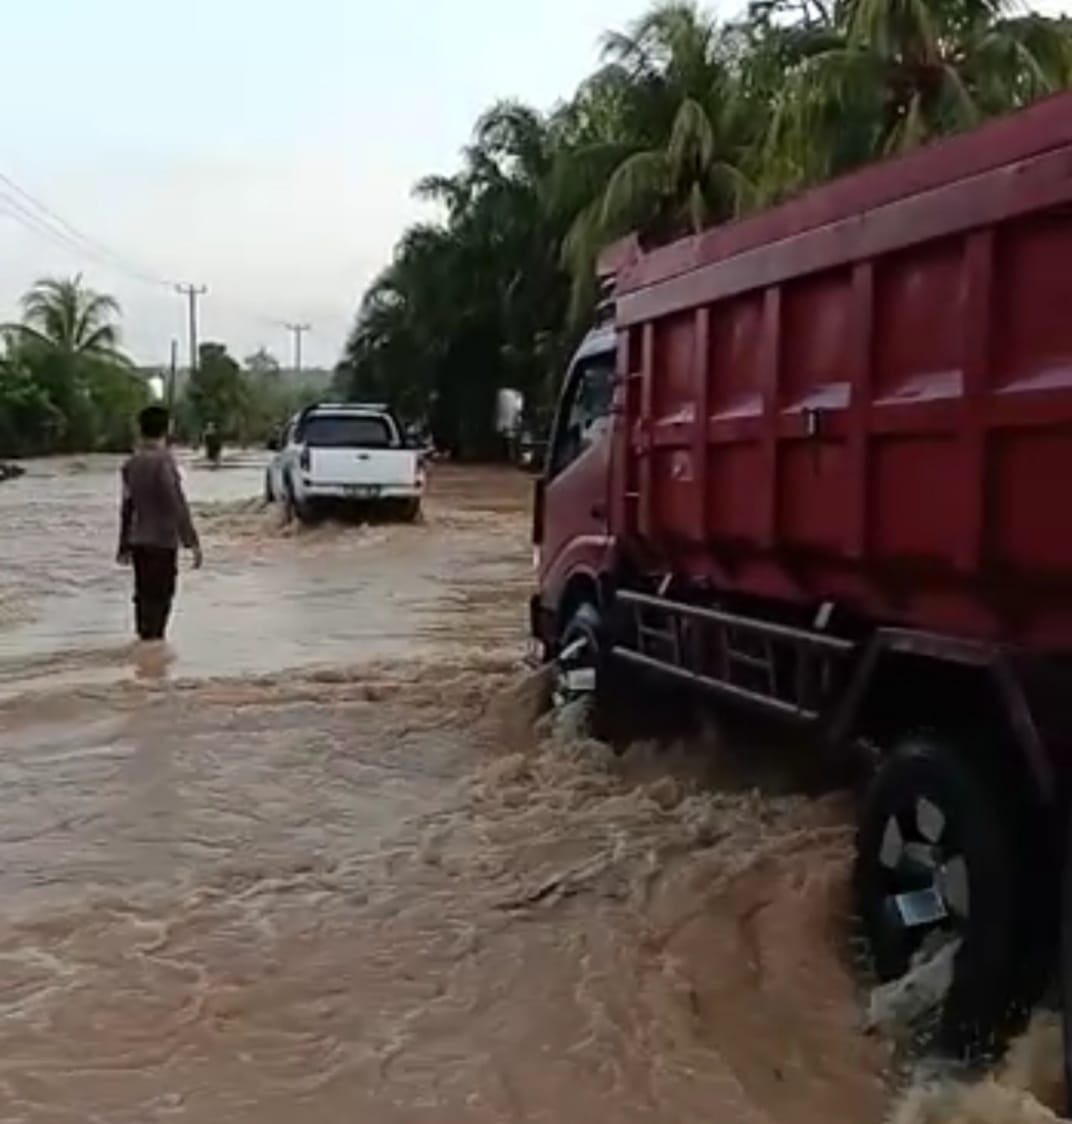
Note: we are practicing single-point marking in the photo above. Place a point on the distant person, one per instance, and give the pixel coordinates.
(154, 521)
(213, 443)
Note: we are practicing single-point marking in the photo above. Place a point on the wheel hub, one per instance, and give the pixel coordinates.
(575, 671)
(927, 876)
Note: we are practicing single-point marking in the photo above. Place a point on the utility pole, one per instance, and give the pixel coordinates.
(172, 375)
(298, 330)
(192, 292)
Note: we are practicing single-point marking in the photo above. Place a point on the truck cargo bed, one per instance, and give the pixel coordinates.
(865, 396)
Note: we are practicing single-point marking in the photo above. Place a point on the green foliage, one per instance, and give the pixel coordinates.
(64, 383)
(688, 122)
(247, 405)
(29, 420)
(272, 398)
(217, 393)
(263, 365)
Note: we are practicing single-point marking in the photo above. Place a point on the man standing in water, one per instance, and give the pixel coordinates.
(154, 521)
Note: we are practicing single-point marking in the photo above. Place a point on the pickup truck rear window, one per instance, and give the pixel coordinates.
(339, 431)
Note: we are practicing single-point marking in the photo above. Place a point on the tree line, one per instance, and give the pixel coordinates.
(688, 122)
(66, 385)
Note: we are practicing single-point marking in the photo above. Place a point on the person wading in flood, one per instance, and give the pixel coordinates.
(154, 521)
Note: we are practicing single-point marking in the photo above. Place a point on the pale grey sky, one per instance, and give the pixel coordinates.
(265, 148)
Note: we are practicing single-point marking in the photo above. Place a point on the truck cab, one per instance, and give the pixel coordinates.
(571, 530)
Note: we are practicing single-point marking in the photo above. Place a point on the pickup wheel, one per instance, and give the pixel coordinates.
(936, 864)
(269, 493)
(295, 508)
(409, 511)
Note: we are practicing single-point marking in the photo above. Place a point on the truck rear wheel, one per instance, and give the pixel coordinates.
(936, 864)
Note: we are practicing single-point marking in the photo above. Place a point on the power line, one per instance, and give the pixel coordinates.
(44, 220)
(29, 221)
(39, 218)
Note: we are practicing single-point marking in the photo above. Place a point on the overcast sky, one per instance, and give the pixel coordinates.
(265, 148)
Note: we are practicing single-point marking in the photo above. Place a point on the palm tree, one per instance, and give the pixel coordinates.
(63, 317)
(668, 153)
(906, 71)
(469, 303)
(68, 341)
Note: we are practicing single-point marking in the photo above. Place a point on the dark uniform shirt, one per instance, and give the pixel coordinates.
(154, 511)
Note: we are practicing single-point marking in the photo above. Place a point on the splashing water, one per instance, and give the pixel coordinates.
(384, 884)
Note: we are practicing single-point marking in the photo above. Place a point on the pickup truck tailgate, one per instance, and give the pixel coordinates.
(382, 467)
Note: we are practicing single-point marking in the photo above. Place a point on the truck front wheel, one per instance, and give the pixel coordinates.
(580, 673)
(936, 875)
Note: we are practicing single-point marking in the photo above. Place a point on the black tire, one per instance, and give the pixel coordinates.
(269, 494)
(585, 626)
(295, 509)
(971, 862)
(409, 511)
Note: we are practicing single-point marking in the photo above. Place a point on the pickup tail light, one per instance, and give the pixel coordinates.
(303, 460)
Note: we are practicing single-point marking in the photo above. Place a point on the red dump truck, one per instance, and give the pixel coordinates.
(814, 462)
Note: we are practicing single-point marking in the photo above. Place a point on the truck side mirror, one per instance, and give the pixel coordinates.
(272, 444)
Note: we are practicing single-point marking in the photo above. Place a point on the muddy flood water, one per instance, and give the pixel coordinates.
(323, 861)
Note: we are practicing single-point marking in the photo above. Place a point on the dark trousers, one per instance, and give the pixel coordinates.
(155, 572)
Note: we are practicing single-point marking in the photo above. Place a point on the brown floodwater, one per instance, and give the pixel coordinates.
(324, 857)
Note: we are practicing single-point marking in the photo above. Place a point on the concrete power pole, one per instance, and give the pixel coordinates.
(298, 330)
(192, 292)
(172, 374)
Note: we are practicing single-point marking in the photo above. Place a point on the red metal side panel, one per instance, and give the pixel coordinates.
(877, 411)
(919, 353)
(1031, 442)
(674, 410)
(813, 478)
(734, 376)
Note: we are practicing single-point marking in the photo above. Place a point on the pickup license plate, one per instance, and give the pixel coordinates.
(362, 491)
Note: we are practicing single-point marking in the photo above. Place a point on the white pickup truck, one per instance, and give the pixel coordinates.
(345, 453)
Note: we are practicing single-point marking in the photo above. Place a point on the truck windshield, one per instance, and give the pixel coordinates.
(588, 404)
(347, 431)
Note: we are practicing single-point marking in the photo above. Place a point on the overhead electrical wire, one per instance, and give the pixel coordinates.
(39, 218)
(31, 213)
